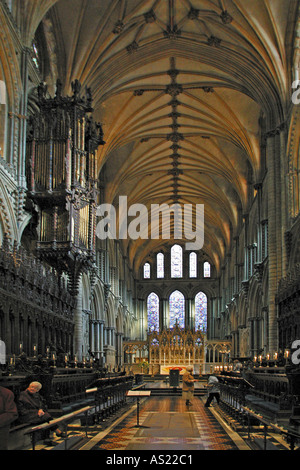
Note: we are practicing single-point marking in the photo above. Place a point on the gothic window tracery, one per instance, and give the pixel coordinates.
(201, 311)
(160, 266)
(206, 269)
(153, 312)
(193, 264)
(176, 261)
(177, 309)
(147, 271)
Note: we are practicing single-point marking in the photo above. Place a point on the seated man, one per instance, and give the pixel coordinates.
(32, 409)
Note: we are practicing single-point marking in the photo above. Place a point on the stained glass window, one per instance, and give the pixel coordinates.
(206, 269)
(176, 261)
(176, 309)
(201, 311)
(146, 271)
(160, 265)
(35, 55)
(153, 312)
(193, 264)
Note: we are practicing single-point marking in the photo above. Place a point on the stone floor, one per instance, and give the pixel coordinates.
(164, 423)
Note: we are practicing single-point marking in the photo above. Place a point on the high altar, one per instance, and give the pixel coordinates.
(176, 348)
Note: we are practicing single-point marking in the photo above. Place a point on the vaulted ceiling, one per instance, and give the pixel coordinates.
(179, 87)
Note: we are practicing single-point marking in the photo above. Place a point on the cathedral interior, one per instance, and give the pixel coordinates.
(149, 221)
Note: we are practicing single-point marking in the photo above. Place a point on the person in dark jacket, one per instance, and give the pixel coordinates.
(8, 414)
(32, 408)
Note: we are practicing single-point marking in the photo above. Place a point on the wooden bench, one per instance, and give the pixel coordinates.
(62, 420)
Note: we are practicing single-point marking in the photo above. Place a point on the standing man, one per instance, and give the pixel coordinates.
(8, 414)
(188, 385)
(213, 390)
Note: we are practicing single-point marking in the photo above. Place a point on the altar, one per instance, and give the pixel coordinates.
(165, 369)
(176, 348)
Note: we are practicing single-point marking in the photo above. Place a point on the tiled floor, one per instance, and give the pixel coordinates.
(166, 423)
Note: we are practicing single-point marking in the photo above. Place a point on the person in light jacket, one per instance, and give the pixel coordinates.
(188, 385)
(213, 390)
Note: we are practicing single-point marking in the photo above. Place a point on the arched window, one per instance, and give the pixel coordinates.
(176, 261)
(146, 271)
(206, 269)
(160, 265)
(176, 309)
(153, 312)
(201, 311)
(193, 264)
(35, 55)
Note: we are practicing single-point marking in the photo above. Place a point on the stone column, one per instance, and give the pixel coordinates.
(189, 318)
(97, 338)
(101, 339)
(23, 123)
(78, 328)
(142, 318)
(91, 336)
(211, 318)
(274, 261)
(165, 313)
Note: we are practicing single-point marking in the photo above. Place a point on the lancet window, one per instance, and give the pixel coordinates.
(153, 312)
(193, 264)
(176, 261)
(177, 309)
(147, 271)
(206, 269)
(160, 266)
(201, 311)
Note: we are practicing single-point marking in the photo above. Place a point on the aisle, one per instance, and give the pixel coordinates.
(166, 423)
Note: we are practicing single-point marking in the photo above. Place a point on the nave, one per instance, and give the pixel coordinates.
(165, 423)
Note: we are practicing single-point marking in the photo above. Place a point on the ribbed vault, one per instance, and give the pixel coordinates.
(180, 87)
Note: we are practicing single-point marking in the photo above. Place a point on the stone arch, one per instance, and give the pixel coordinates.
(98, 303)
